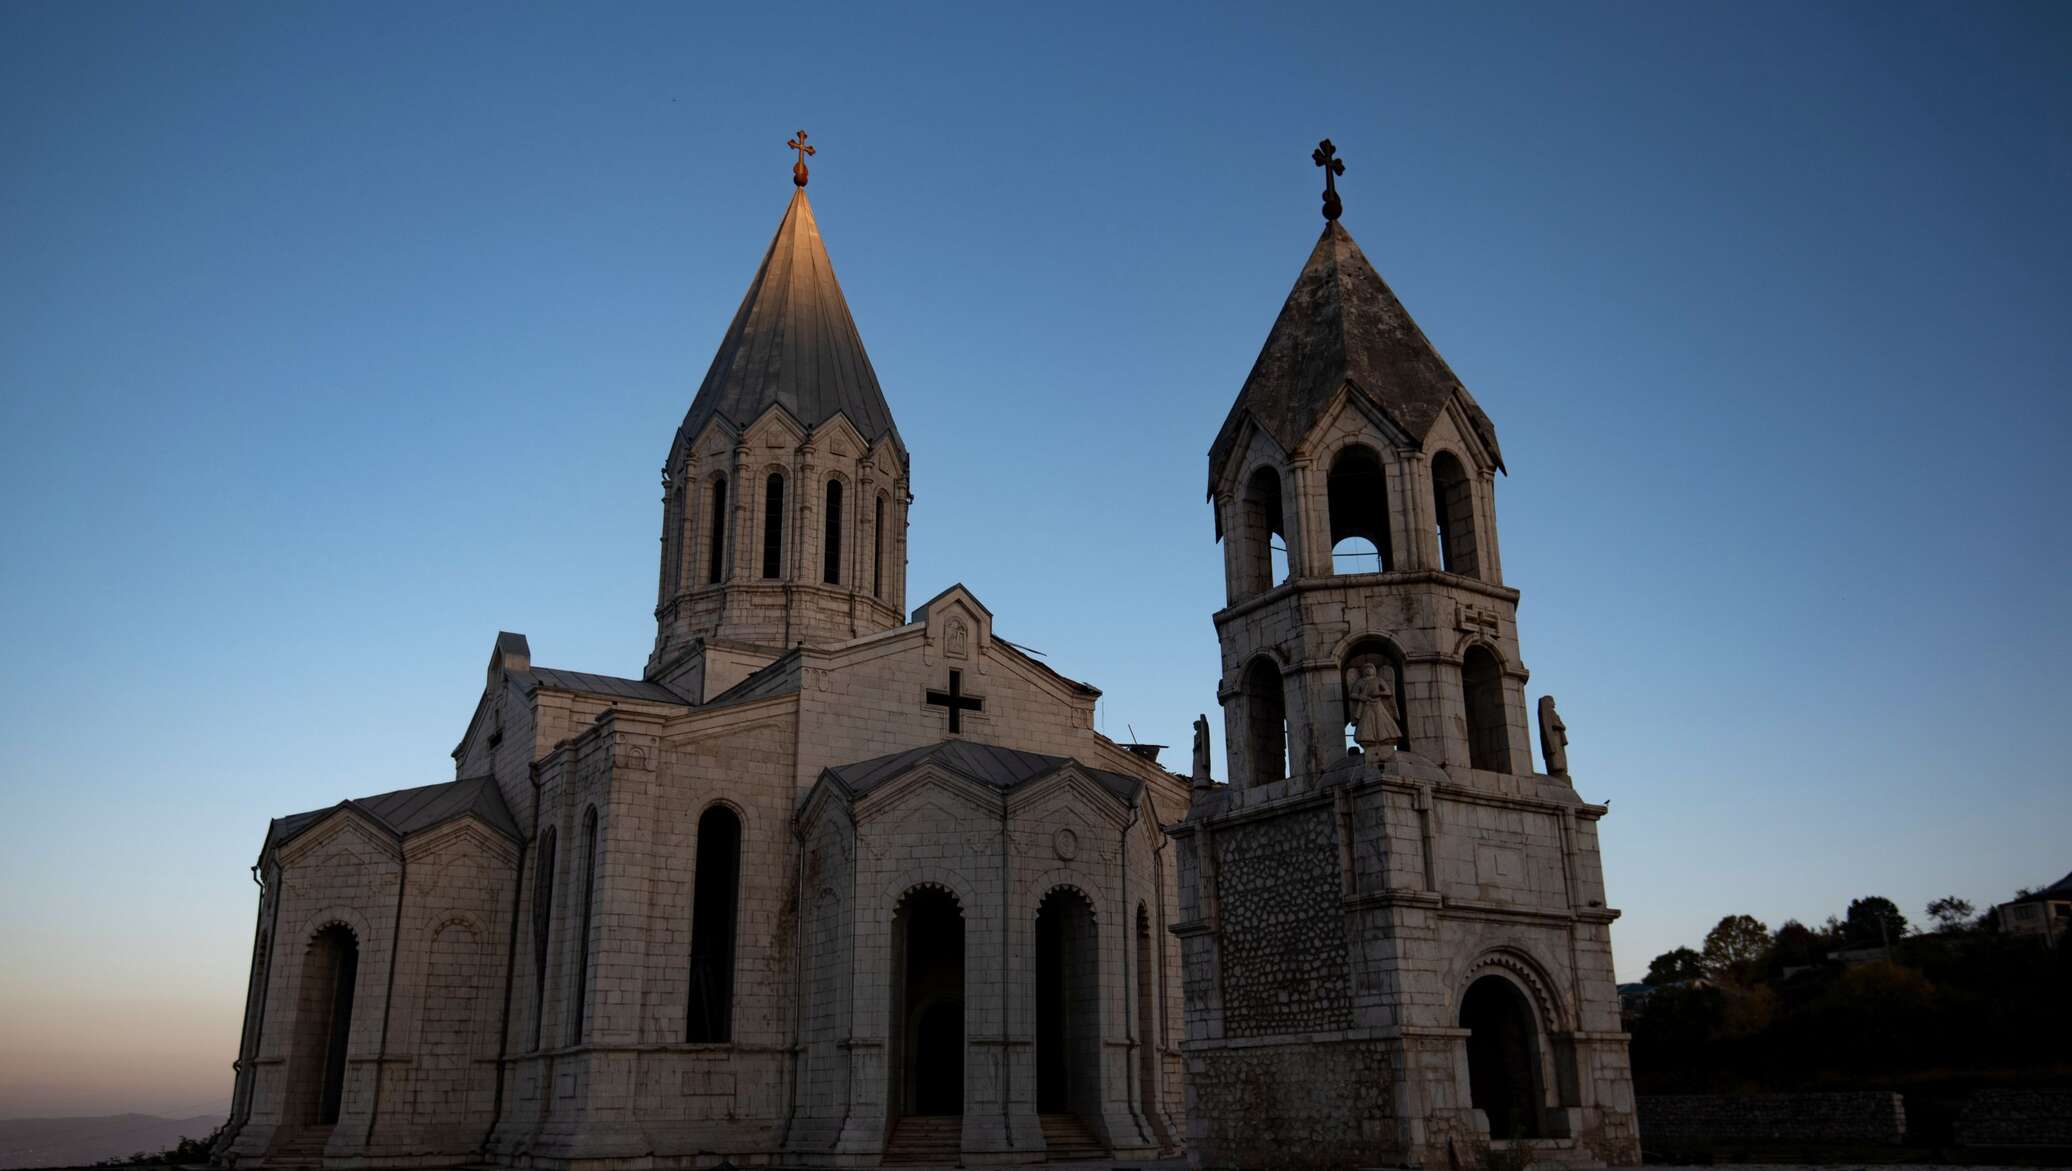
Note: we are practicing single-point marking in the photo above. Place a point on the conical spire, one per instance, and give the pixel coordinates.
(1343, 325)
(793, 344)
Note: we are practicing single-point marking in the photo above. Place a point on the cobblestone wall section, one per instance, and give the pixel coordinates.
(1284, 954)
(2016, 1118)
(1870, 1115)
(1269, 1112)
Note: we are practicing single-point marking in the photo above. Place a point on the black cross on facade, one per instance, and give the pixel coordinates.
(955, 700)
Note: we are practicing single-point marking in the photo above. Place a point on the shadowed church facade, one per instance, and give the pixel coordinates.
(837, 883)
(829, 883)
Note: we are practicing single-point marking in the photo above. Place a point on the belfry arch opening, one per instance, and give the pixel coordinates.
(1482, 697)
(1453, 508)
(1068, 1006)
(1266, 721)
(928, 1004)
(1388, 663)
(1358, 492)
(323, 1024)
(1503, 1057)
(1262, 536)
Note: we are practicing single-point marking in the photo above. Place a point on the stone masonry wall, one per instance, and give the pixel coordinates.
(1260, 1106)
(2016, 1118)
(1283, 938)
(1874, 1116)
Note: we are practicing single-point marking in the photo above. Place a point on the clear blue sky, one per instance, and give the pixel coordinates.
(335, 338)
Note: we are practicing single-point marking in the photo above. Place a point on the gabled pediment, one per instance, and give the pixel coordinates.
(959, 626)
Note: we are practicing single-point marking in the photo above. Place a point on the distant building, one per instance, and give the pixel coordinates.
(2047, 912)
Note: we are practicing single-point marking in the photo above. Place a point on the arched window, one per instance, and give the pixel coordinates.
(542, 921)
(831, 557)
(1266, 721)
(1388, 662)
(773, 525)
(1358, 490)
(1261, 562)
(710, 1014)
(1453, 504)
(1482, 691)
(581, 991)
(878, 548)
(716, 540)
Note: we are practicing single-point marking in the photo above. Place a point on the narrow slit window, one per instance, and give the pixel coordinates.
(831, 563)
(717, 558)
(773, 526)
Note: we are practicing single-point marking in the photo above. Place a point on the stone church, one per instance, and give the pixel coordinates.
(833, 882)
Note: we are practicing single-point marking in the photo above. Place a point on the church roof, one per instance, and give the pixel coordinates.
(793, 344)
(1342, 325)
(608, 686)
(988, 764)
(408, 811)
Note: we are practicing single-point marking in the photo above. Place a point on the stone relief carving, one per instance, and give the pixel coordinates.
(957, 635)
(1373, 710)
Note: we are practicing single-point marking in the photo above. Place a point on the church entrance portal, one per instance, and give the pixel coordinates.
(323, 1023)
(1503, 1059)
(1068, 1014)
(928, 1004)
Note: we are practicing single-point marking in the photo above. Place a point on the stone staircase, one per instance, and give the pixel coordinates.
(925, 1140)
(301, 1148)
(1066, 1139)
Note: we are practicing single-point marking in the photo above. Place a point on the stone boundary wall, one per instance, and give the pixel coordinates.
(2016, 1118)
(1870, 1115)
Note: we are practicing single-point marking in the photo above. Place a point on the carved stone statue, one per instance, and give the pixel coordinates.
(1201, 749)
(1553, 738)
(1373, 706)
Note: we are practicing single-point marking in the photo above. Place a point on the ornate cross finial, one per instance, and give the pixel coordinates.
(798, 169)
(1326, 156)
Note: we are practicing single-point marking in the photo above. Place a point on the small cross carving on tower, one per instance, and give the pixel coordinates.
(956, 701)
(1326, 156)
(798, 169)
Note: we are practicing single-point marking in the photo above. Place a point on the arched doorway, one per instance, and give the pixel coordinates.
(1503, 1057)
(323, 1023)
(1068, 1008)
(928, 1004)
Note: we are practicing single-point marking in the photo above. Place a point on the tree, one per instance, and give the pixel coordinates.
(1873, 921)
(1672, 967)
(1735, 946)
(1952, 913)
(1797, 946)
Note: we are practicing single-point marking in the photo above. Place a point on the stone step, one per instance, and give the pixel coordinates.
(925, 1140)
(1066, 1138)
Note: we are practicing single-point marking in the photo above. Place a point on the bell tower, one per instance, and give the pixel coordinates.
(1354, 493)
(1413, 932)
(785, 491)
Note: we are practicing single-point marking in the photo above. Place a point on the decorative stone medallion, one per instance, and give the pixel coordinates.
(1066, 843)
